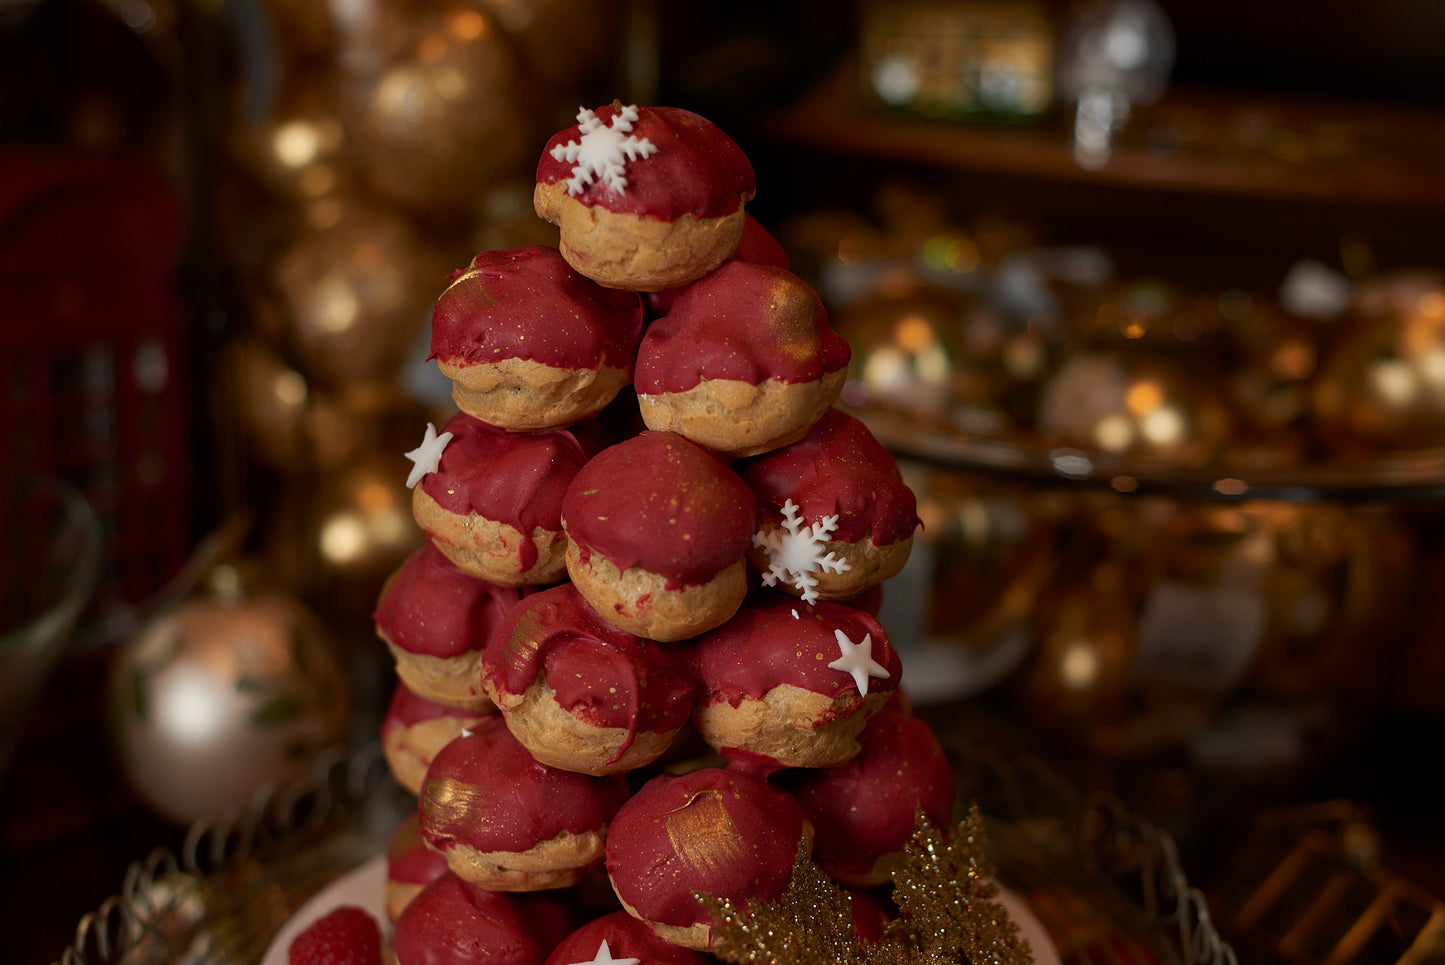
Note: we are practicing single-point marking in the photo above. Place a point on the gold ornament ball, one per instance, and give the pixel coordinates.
(1382, 385)
(435, 104)
(560, 41)
(219, 697)
(354, 292)
(1136, 403)
(363, 527)
(1078, 677)
(298, 149)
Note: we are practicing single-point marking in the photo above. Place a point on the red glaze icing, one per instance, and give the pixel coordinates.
(486, 791)
(711, 831)
(764, 646)
(837, 468)
(626, 937)
(664, 504)
(602, 675)
(406, 709)
(528, 303)
(453, 922)
(408, 859)
(869, 918)
(756, 246)
(697, 169)
(864, 809)
(743, 322)
(516, 478)
(430, 607)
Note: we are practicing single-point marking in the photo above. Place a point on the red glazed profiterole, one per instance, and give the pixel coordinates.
(744, 362)
(414, 729)
(769, 694)
(661, 206)
(657, 534)
(580, 693)
(509, 822)
(709, 831)
(410, 865)
(494, 504)
(863, 811)
(757, 245)
(454, 922)
(436, 620)
(838, 470)
(626, 937)
(531, 344)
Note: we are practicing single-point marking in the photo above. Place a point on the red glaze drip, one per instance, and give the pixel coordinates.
(516, 478)
(662, 503)
(763, 646)
(837, 468)
(756, 246)
(408, 859)
(697, 169)
(453, 922)
(864, 809)
(626, 937)
(744, 322)
(528, 303)
(600, 674)
(430, 607)
(710, 830)
(486, 791)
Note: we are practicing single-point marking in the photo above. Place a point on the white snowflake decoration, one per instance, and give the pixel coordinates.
(603, 150)
(857, 660)
(795, 552)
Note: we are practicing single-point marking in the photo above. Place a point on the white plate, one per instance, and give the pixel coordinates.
(366, 886)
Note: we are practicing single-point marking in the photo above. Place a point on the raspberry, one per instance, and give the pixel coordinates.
(347, 935)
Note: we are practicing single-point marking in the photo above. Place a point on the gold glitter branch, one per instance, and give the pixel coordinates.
(946, 898)
(812, 922)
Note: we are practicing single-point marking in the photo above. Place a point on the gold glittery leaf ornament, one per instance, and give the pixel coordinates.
(946, 898)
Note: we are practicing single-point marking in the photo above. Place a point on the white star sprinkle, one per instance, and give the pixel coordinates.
(857, 659)
(604, 957)
(603, 151)
(427, 456)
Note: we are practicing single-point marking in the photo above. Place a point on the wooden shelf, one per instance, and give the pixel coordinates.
(1246, 146)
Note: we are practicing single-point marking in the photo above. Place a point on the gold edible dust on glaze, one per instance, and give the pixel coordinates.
(524, 641)
(450, 804)
(703, 834)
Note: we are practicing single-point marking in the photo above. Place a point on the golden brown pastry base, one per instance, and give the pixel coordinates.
(640, 602)
(521, 395)
(487, 549)
(636, 252)
(739, 418)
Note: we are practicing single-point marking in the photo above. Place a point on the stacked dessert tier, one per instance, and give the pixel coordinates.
(639, 658)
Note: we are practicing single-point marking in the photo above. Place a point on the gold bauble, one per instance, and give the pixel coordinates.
(270, 400)
(1078, 677)
(435, 104)
(355, 291)
(362, 525)
(1135, 402)
(1382, 386)
(297, 148)
(222, 695)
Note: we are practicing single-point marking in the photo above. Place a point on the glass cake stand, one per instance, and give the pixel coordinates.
(1105, 886)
